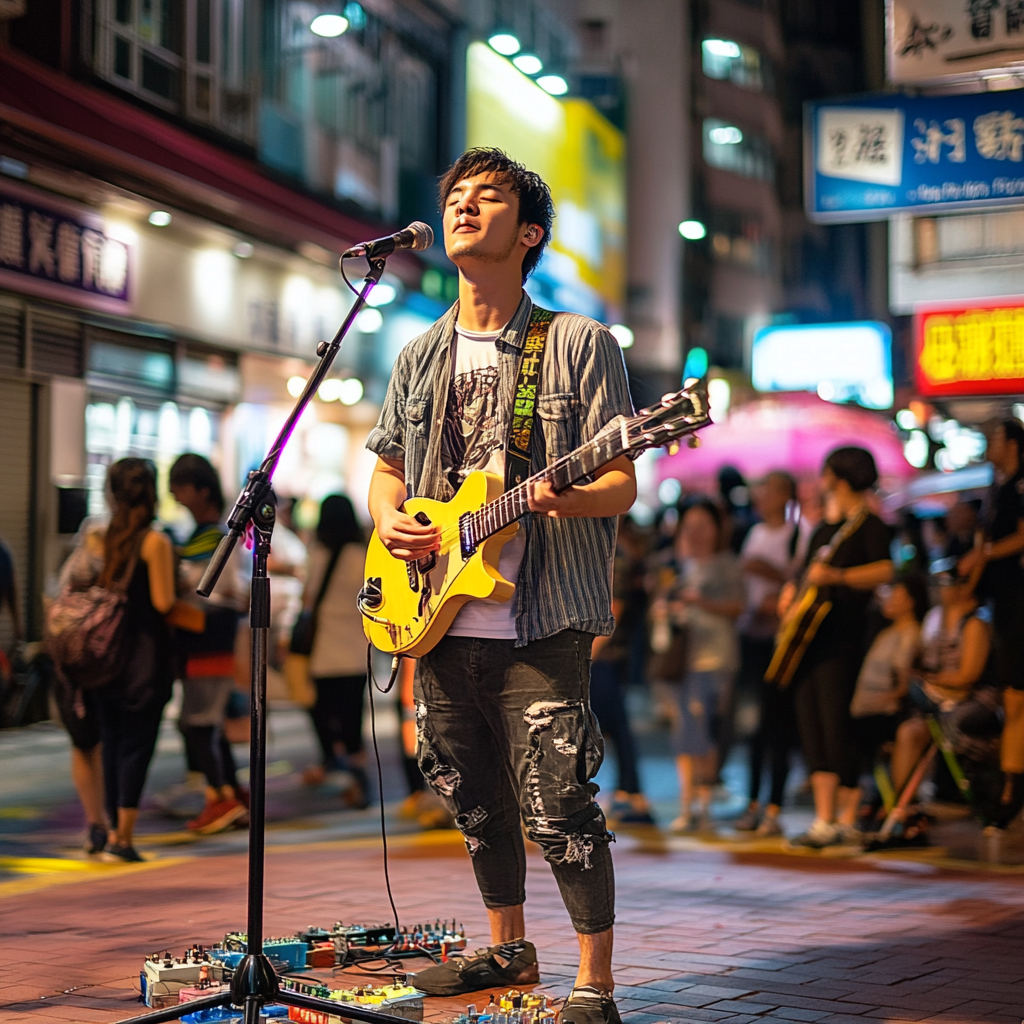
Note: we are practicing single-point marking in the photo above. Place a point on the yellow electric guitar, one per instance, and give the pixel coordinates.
(408, 606)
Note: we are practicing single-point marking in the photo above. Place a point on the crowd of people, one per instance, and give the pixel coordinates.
(171, 634)
(916, 653)
(902, 643)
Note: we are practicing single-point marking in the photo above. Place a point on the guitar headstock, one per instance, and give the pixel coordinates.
(676, 415)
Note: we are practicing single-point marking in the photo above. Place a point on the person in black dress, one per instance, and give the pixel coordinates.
(130, 707)
(827, 676)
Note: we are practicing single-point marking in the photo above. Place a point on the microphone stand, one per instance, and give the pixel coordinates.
(254, 982)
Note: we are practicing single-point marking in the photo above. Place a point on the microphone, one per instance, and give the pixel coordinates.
(416, 236)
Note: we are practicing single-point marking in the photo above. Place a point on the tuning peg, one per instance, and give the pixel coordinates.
(694, 441)
(672, 447)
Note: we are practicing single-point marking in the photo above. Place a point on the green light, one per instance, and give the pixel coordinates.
(696, 363)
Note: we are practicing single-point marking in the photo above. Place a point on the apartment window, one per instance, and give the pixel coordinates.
(729, 61)
(739, 240)
(735, 149)
(189, 57)
(364, 101)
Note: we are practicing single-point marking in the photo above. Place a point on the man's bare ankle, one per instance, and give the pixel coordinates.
(606, 986)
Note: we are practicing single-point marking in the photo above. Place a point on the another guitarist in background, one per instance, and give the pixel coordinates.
(827, 676)
(505, 727)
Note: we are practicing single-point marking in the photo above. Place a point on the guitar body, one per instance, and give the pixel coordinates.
(408, 606)
(796, 631)
(420, 600)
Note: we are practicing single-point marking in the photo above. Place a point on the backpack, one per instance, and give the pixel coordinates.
(84, 631)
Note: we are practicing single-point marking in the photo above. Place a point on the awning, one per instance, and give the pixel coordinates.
(793, 432)
(84, 128)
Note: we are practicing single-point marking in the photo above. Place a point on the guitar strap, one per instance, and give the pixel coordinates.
(524, 407)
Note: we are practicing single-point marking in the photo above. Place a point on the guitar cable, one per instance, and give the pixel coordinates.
(396, 664)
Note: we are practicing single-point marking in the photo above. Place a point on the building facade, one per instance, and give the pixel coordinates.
(176, 182)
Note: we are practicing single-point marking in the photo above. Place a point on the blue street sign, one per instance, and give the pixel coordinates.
(869, 156)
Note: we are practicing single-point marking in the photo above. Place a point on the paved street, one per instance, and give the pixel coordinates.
(716, 929)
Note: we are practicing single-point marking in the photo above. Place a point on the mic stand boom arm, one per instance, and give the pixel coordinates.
(255, 983)
(258, 484)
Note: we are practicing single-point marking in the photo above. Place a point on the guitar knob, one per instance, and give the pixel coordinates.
(694, 441)
(371, 596)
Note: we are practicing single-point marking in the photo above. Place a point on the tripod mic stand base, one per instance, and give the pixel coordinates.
(253, 986)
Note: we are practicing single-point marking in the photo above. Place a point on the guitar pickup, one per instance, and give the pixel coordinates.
(425, 564)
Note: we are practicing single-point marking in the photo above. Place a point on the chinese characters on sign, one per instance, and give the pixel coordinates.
(889, 153)
(68, 254)
(976, 350)
(864, 145)
(929, 40)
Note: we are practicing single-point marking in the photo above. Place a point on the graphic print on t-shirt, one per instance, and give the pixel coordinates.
(472, 438)
(471, 433)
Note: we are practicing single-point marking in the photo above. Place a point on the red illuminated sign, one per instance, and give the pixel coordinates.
(970, 349)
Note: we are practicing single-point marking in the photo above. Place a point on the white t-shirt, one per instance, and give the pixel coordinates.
(769, 544)
(473, 440)
(891, 654)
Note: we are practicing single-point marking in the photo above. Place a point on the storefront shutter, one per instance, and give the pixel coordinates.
(16, 474)
(10, 336)
(56, 344)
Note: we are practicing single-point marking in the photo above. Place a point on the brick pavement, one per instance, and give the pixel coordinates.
(703, 935)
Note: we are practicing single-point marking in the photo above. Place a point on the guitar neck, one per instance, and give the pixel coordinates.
(562, 474)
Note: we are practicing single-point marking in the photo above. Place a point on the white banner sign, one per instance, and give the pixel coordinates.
(930, 40)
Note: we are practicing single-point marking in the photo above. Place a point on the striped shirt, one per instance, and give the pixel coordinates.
(565, 576)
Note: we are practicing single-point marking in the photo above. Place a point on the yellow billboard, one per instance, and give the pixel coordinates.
(582, 158)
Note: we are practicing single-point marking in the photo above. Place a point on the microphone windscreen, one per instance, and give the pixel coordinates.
(423, 234)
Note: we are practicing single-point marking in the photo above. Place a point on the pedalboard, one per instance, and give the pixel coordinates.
(401, 1001)
(512, 1007)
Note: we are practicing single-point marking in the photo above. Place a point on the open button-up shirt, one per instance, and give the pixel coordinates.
(565, 576)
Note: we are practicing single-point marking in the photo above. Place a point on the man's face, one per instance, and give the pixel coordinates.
(187, 495)
(772, 495)
(481, 222)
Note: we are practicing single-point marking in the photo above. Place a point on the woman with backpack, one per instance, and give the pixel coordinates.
(138, 562)
(337, 660)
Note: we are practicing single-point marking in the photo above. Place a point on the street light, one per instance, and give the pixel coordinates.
(721, 48)
(528, 63)
(330, 26)
(692, 230)
(382, 295)
(554, 84)
(726, 135)
(504, 43)
(622, 334)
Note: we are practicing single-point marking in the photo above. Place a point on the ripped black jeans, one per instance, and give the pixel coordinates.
(507, 732)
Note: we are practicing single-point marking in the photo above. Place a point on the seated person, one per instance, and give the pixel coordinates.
(878, 702)
(955, 641)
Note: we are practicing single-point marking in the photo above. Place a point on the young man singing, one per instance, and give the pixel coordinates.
(505, 728)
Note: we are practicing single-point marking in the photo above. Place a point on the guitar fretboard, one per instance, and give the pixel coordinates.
(562, 474)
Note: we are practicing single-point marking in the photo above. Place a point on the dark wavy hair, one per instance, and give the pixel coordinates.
(132, 487)
(338, 524)
(535, 204)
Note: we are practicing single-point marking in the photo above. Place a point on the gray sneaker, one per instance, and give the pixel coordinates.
(589, 1005)
(507, 965)
(818, 836)
(769, 826)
